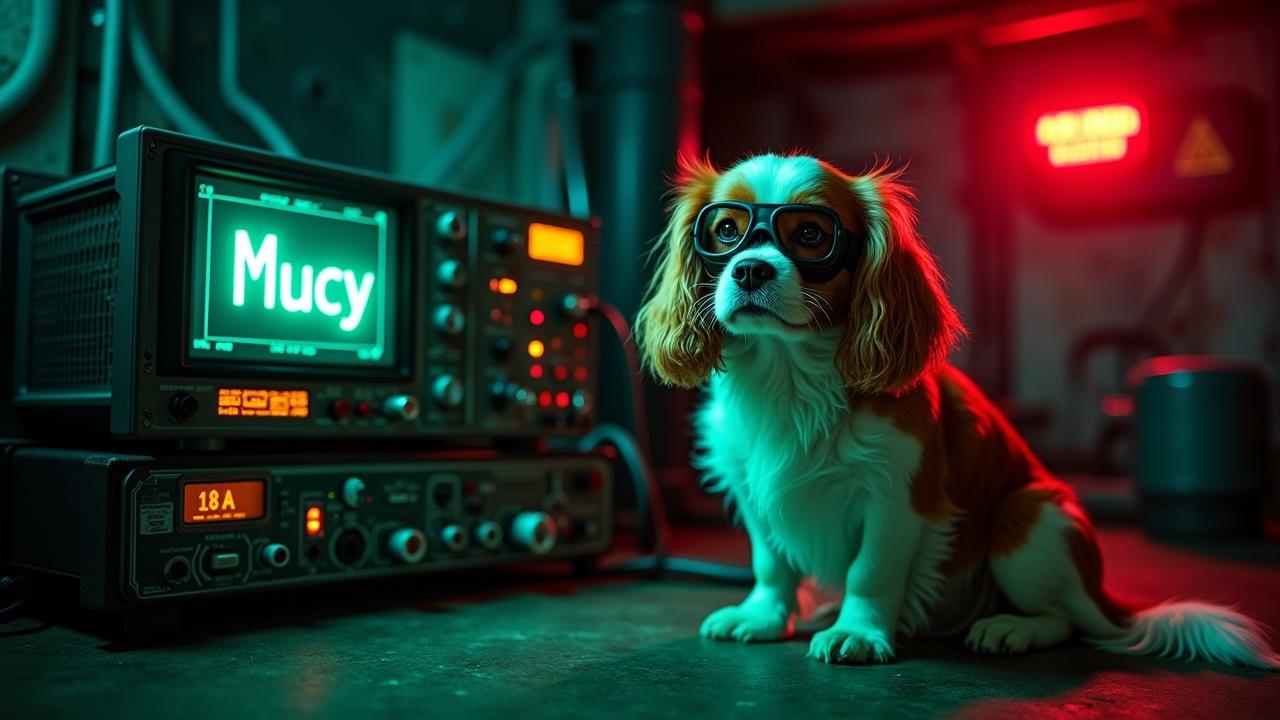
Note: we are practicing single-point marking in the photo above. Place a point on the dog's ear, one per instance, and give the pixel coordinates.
(680, 339)
(901, 323)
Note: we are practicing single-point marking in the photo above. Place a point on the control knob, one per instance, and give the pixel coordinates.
(534, 531)
(454, 537)
(274, 555)
(402, 407)
(574, 306)
(448, 391)
(353, 492)
(452, 225)
(451, 273)
(504, 241)
(408, 545)
(450, 319)
(489, 535)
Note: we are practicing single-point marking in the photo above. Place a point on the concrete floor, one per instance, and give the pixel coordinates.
(544, 645)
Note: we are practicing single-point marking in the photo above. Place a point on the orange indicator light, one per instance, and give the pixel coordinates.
(556, 244)
(507, 286)
(1088, 136)
(315, 521)
(536, 348)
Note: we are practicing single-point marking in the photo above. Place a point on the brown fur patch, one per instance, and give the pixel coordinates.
(974, 467)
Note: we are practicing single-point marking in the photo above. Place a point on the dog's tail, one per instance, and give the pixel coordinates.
(1183, 629)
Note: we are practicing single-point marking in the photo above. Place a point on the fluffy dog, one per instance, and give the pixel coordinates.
(854, 454)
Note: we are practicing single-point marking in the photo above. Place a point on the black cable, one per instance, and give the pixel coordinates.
(651, 511)
(14, 595)
(1180, 273)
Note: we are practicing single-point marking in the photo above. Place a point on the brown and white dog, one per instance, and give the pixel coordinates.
(855, 455)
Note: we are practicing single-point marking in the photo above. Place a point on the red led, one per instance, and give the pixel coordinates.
(544, 398)
(580, 374)
(536, 317)
(562, 399)
(364, 409)
(535, 371)
(562, 372)
(580, 330)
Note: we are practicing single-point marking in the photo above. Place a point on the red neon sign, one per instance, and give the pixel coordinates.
(1088, 136)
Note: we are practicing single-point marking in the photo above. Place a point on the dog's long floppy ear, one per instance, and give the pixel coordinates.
(680, 339)
(901, 323)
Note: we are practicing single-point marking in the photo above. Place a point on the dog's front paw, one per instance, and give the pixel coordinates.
(746, 623)
(840, 644)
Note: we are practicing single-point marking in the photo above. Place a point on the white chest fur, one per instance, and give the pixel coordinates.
(778, 437)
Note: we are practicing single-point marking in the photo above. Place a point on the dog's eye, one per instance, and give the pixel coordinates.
(809, 234)
(727, 230)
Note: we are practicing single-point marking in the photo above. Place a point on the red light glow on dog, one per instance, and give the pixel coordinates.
(1088, 136)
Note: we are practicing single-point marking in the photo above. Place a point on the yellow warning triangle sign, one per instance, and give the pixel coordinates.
(1202, 152)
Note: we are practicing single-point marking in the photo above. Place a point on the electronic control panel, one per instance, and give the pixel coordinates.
(171, 531)
(205, 290)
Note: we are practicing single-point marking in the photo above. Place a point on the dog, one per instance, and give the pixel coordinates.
(854, 454)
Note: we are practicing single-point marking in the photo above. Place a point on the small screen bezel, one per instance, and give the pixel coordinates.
(175, 281)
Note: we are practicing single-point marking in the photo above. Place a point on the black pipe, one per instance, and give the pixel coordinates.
(641, 56)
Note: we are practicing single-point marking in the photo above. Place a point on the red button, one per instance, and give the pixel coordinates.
(562, 372)
(339, 409)
(535, 371)
(579, 330)
(364, 409)
(544, 398)
(562, 399)
(536, 317)
(580, 374)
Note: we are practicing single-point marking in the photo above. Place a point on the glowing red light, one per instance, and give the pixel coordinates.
(1088, 136)
(544, 398)
(579, 330)
(536, 317)
(562, 399)
(1117, 406)
(580, 374)
(562, 372)
(535, 371)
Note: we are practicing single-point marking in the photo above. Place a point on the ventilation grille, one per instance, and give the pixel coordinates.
(75, 262)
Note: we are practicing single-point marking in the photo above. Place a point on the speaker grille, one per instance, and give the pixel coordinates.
(75, 261)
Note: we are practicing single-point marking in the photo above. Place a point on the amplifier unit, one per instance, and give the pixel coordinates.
(204, 290)
(141, 530)
(13, 185)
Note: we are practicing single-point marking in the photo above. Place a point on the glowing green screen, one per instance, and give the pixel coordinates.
(285, 278)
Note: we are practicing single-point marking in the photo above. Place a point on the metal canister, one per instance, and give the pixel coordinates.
(1202, 446)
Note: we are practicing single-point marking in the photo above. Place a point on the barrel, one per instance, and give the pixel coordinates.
(1202, 446)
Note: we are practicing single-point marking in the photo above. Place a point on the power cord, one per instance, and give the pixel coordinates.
(653, 525)
(14, 594)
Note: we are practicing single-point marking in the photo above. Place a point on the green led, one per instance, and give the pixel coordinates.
(332, 495)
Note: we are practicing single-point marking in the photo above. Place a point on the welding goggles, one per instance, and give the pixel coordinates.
(812, 236)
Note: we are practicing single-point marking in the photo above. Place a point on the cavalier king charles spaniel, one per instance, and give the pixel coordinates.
(853, 452)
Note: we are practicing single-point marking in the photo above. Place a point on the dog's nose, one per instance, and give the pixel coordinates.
(751, 274)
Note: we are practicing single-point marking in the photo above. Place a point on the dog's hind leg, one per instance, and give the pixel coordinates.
(1033, 565)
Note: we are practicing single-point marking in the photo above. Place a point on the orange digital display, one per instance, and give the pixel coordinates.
(229, 501)
(262, 402)
(556, 244)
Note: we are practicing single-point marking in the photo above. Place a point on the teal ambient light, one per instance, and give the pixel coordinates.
(285, 278)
